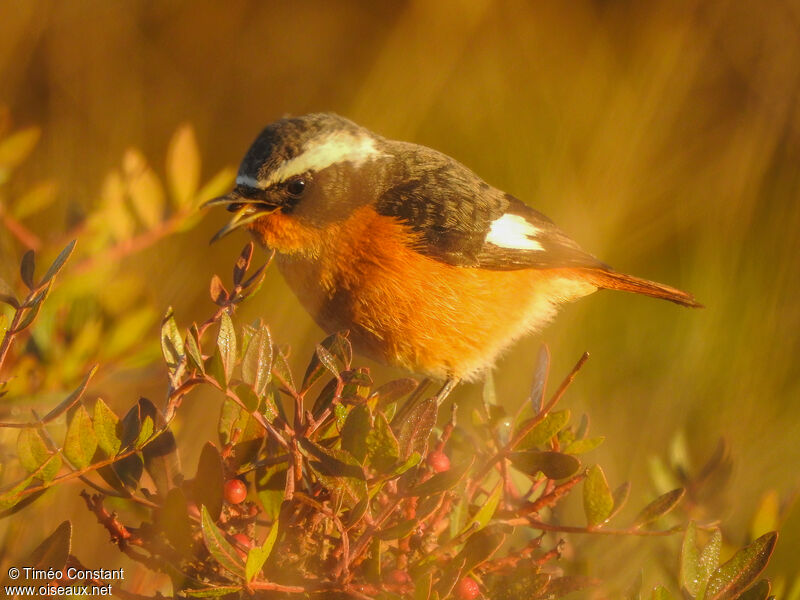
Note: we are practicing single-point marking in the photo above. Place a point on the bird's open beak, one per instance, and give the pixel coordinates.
(245, 211)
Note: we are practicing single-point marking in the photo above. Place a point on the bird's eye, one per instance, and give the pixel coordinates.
(296, 187)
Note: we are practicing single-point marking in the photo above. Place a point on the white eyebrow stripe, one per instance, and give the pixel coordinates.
(513, 231)
(247, 181)
(337, 147)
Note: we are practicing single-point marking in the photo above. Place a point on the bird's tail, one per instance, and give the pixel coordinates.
(611, 280)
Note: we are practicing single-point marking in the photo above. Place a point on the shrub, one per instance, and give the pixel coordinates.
(320, 485)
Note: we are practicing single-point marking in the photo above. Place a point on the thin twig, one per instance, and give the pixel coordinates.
(542, 526)
(529, 426)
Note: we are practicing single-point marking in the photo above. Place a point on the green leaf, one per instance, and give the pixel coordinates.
(270, 486)
(393, 391)
(539, 383)
(526, 586)
(219, 295)
(257, 361)
(440, 482)
(766, 517)
(207, 487)
(58, 263)
(10, 498)
(215, 369)
(562, 586)
(414, 430)
(383, 449)
(736, 575)
(480, 547)
(220, 183)
(327, 360)
(354, 433)
(27, 267)
(144, 189)
(171, 342)
(80, 442)
(357, 384)
(145, 433)
(54, 551)
(212, 592)
(634, 590)
(36, 199)
(192, 348)
(7, 295)
(662, 476)
(280, 367)
(229, 416)
(325, 398)
(336, 469)
(693, 576)
(218, 546)
(129, 470)
(584, 445)
(113, 221)
(242, 263)
(661, 593)
(331, 461)
(106, 427)
(709, 560)
(398, 531)
(620, 495)
(72, 399)
(598, 502)
(486, 511)
(226, 344)
(554, 465)
(35, 457)
(759, 591)
(33, 307)
(183, 166)
(128, 331)
(423, 584)
(259, 555)
(161, 459)
(248, 397)
(335, 357)
(173, 520)
(544, 431)
(658, 508)
(11, 501)
(16, 147)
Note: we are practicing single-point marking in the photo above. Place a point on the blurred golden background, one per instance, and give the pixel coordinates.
(663, 136)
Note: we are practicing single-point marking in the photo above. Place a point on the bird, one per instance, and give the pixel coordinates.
(428, 267)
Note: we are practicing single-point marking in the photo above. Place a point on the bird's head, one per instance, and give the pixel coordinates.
(301, 174)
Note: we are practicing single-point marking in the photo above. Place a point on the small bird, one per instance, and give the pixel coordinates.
(430, 268)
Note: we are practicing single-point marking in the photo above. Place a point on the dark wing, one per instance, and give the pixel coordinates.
(462, 220)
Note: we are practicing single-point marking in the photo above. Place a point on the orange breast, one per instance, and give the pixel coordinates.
(407, 309)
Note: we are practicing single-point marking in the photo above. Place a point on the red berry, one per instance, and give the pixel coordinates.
(467, 589)
(399, 576)
(193, 511)
(242, 543)
(438, 461)
(235, 491)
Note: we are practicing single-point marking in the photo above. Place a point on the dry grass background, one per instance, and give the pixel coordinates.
(664, 136)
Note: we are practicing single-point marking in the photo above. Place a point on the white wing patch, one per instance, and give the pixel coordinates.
(319, 154)
(513, 231)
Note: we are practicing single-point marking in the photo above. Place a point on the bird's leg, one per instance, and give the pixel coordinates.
(418, 395)
(445, 390)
